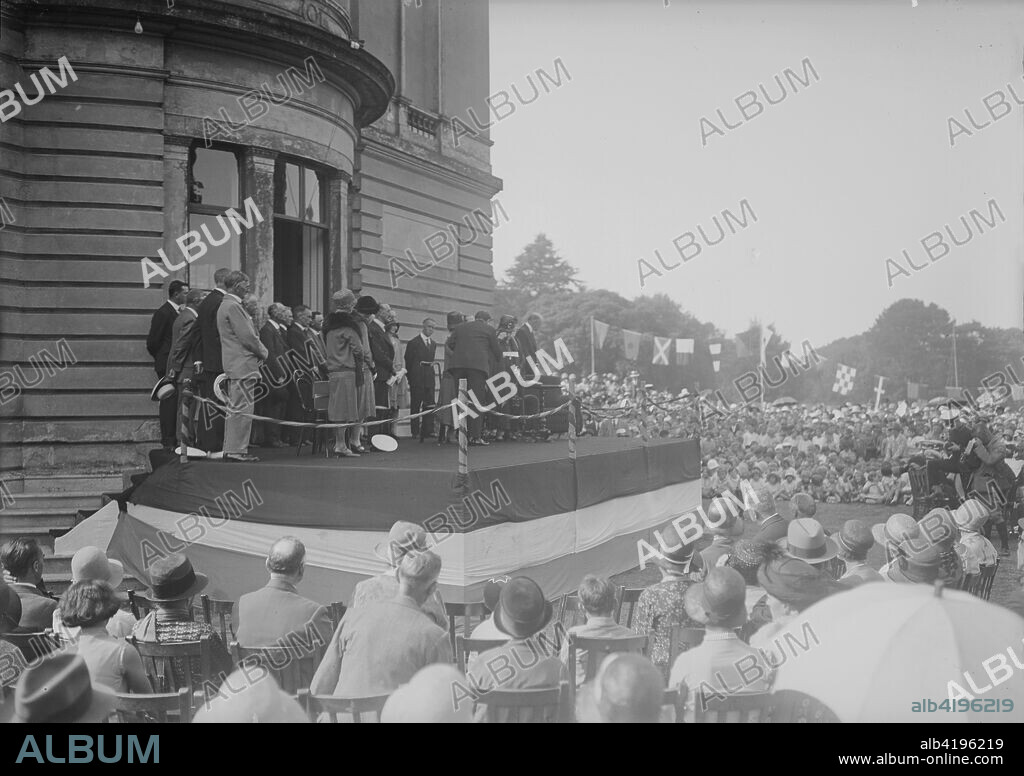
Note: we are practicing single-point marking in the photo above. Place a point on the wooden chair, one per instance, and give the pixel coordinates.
(681, 639)
(139, 604)
(34, 646)
(752, 707)
(159, 662)
(981, 584)
(292, 668)
(598, 649)
(628, 596)
(548, 705)
(571, 608)
(314, 396)
(336, 611)
(157, 707)
(223, 611)
(467, 612)
(315, 705)
(464, 647)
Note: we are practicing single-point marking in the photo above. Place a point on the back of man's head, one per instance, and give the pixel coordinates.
(220, 276)
(286, 557)
(174, 287)
(19, 555)
(597, 595)
(418, 573)
(234, 278)
(482, 315)
(628, 688)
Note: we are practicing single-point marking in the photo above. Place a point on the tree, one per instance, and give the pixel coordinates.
(540, 270)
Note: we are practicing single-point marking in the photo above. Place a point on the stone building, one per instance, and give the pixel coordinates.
(307, 142)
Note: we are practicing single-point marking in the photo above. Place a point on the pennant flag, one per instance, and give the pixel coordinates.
(878, 392)
(684, 349)
(661, 346)
(716, 351)
(844, 379)
(631, 344)
(600, 332)
(913, 390)
(1017, 392)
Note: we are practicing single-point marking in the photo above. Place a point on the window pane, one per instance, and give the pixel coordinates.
(312, 196)
(215, 178)
(200, 274)
(291, 190)
(314, 245)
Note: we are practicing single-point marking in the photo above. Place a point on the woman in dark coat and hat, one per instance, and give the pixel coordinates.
(449, 385)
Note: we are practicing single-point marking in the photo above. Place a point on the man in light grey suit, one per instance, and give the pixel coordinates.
(186, 340)
(277, 616)
(241, 352)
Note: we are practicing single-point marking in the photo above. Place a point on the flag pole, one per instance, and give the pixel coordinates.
(593, 358)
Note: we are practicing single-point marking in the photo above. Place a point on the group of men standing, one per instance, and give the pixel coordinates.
(196, 338)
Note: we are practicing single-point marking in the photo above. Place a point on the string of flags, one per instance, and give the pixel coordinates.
(683, 347)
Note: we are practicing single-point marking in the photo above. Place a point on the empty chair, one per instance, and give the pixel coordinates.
(626, 605)
(218, 613)
(460, 618)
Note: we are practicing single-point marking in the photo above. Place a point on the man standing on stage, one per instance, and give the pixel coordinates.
(242, 352)
(527, 339)
(277, 373)
(476, 356)
(419, 366)
(383, 354)
(185, 346)
(210, 431)
(158, 343)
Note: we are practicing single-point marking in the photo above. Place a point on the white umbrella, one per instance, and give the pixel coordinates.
(875, 651)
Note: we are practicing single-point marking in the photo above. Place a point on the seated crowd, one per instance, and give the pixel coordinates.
(707, 629)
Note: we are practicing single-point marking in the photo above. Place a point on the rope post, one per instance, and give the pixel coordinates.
(570, 410)
(463, 436)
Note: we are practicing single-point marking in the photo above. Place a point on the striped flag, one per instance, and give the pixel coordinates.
(684, 349)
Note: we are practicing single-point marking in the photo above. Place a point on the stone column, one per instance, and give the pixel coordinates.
(175, 200)
(258, 245)
(338, 222)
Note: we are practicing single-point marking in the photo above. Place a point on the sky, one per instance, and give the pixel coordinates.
(844, 173)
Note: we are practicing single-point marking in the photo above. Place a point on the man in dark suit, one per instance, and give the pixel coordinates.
(383, 353)
(527, 339)
(211, 426)
(476, 356)
(306, 356)
(420, 352)
(22, 560)
(275, 373)
(276, 615)
(185, 344)
(158, 343)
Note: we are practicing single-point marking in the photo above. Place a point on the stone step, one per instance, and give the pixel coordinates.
(35, 523)
(69, 502)
(67, 483)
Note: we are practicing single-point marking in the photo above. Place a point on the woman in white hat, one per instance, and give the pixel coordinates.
(92, 564)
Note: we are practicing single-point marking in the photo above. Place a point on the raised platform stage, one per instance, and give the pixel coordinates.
(528, 507)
